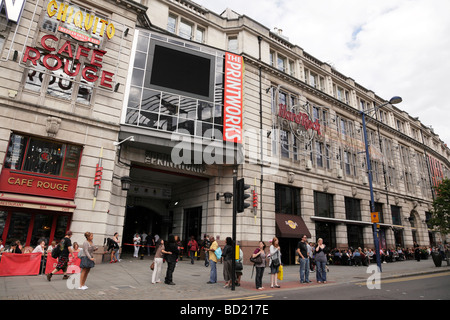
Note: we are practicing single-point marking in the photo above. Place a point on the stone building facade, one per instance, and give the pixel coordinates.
(186, 98)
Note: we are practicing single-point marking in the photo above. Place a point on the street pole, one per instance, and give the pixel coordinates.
(233, 263)
(372, 201)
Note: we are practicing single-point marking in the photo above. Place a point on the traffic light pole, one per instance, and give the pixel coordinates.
(233, 263)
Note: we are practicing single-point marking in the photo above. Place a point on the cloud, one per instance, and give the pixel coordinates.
(392, 47)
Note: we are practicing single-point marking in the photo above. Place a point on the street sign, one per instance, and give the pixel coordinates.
(374, 216)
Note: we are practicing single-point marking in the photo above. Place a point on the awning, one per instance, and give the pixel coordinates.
(290, 226)
(33, 202)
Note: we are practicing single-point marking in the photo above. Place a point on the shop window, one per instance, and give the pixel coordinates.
(323, 205)
(42, 156)
(287, 200)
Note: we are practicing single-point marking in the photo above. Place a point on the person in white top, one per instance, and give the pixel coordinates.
(136, 242)
(40, 247)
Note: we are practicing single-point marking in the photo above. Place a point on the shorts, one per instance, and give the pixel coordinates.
(62, 263)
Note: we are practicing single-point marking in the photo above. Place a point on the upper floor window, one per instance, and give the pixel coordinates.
(282, 63)
(233, 44)
(185, 29)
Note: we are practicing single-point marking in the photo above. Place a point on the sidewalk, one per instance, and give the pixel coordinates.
(130, 279)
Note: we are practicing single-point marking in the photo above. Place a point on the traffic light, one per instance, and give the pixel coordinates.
(255, 199)
(241, 195)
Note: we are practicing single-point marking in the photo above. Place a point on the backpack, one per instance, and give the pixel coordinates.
(56, 252)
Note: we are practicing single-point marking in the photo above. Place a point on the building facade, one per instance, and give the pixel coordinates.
(180, 100)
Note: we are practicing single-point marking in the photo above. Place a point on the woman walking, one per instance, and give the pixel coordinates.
(261, 265)
(87, 260)
(137, 243)
(274, 263)
(321, 262)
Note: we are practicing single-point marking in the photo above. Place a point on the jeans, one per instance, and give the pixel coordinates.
(213, 272)
(259, 276)
(321, 272)
(206, 259)
(304, 270)
(192, 256)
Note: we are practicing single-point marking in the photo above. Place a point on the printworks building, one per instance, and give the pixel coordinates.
(175, 100)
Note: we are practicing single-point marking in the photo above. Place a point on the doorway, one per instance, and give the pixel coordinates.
(192, 224)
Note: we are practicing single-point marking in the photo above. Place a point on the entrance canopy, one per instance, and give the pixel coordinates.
(291, 226)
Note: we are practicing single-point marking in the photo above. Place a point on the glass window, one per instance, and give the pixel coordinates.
(352, 209)
(233, 44)
(172, 23)
(185, 30)
(18, 227)
(41, 229)
(323, 205)
(200, 35)
(287, 200)
(355, 236)
(396, 215)
(42, 156)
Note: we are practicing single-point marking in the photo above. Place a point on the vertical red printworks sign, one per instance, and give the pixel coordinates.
(233, 98)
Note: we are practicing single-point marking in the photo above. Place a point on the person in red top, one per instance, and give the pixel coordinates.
(193, 248)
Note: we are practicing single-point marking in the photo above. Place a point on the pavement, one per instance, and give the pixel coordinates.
(130, 279)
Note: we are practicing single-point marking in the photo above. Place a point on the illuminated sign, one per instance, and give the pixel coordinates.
(233, 98)
(13, 9)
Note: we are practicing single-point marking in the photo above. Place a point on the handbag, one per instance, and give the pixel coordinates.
(239, 266)
(256, 260)
(152, 266)
(280, 273)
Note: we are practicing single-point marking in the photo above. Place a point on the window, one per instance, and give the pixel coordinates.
(233, 44)
(41, 156)
(396, 215)
(352, 209)
(185, 29)
(281, 63)
(323, 205)
(287, 200)
(355, 236)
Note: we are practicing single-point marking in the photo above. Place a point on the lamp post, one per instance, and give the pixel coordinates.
(393, 100)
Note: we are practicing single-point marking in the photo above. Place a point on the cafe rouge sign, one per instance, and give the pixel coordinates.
(35, 184)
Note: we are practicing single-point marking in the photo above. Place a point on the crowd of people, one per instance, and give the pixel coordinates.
(310, 256)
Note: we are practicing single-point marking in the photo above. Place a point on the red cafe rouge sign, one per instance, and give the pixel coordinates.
(299, 118)
(35, 184)
(54, 60)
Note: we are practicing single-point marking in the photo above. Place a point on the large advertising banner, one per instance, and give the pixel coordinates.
(233, 98)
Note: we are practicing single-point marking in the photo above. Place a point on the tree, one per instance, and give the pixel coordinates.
(440, 219)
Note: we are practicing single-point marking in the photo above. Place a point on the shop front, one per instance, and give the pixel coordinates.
(37, 189)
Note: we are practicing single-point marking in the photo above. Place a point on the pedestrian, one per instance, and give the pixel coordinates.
(239, 265)
(65, 246)
(302, 251)
(76, 247)
(115, 248)
(171, 257)
(206, 244)
(227, 254)
(321, 262)
(87, 260)
(136, 243)
(213, 260)
(274, 262)
(416, 251)
(260, 251)
(158, 261)
(192, 247)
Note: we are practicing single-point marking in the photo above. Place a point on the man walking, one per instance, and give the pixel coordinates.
(302, 250)
(65, 246)
(213, 260)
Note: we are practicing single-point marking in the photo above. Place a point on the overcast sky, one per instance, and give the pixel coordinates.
(392, 47)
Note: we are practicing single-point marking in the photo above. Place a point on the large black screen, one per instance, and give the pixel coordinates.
(180, 70)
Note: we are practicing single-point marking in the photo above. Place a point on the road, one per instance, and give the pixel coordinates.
(423, 287)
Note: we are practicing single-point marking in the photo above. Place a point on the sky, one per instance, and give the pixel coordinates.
(392, 47)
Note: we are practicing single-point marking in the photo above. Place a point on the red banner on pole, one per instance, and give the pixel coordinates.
(73, 266)
(20, 264)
